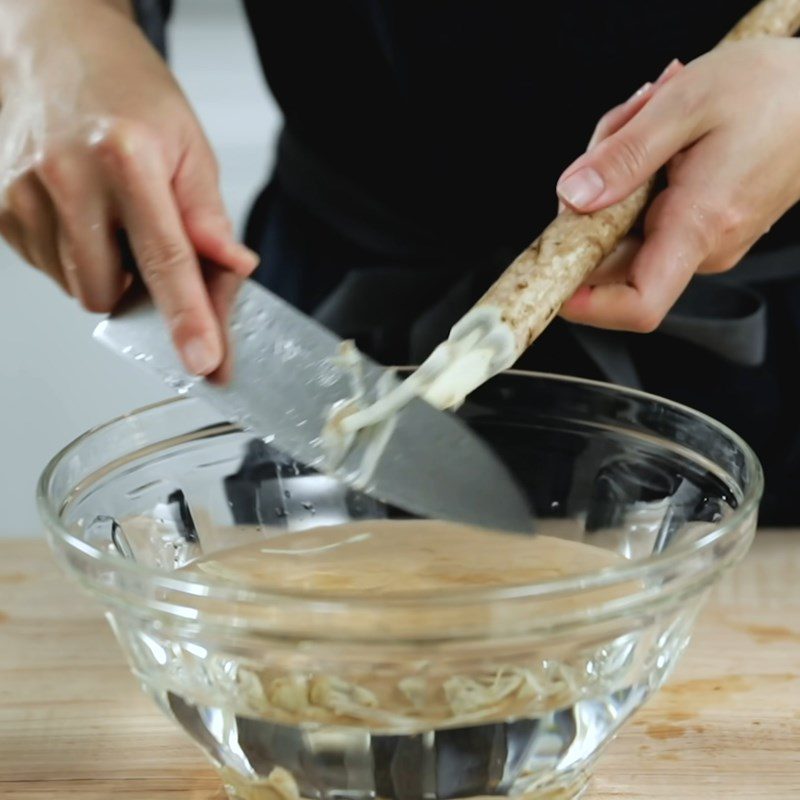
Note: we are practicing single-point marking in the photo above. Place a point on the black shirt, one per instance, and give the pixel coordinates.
(456, 117)
(430, 126)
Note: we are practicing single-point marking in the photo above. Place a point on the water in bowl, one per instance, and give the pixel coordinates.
(414, 725)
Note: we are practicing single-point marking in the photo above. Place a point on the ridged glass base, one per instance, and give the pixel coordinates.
(277, 789)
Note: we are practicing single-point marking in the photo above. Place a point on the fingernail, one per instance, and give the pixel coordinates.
(667, 69)
(200, 355)
(640, 91)
(581, 188)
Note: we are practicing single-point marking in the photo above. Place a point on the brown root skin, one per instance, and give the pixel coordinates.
(532, 290)
(769, 18)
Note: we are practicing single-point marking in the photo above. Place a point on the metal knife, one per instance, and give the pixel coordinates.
(287, 377)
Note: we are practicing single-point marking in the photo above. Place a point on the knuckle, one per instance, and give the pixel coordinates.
(98, 293)
(721, 225)
(733, 217)
(124, 145)
(706, 225)
(56, 171)
(627, 155)
(158, 260)
(94, 298)
(188, 322)
(723, 263)
(705, 236)
(690, 101)
(210, 219)
(647, 319)
(686, 96)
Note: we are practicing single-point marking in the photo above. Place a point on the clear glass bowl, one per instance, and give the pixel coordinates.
(458, 693)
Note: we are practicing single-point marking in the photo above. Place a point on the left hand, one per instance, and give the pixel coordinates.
(727, 128)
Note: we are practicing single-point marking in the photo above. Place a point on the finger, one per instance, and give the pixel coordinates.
(28, 201)
(735, 206)
(85, 246)
(623, 113)
(722, 262)
(166, 259)
(669, 122)
(620, 115)
(677, 241)
(675, 164)
(615, 267)
(203, 212)
(223, 287)
(11, 231)
(671, 70)
(92, 260)
(612, 121)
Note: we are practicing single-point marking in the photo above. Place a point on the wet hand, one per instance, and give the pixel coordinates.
(726, 128)
(96, 137)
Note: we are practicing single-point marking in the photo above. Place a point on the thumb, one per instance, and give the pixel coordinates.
(627, 159)
(204, 217)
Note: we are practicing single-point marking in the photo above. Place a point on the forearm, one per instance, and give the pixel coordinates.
(14, 11)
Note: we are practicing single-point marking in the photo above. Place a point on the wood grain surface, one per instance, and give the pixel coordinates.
(73, 723)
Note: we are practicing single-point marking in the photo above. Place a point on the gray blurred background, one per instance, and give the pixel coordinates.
(54, 381)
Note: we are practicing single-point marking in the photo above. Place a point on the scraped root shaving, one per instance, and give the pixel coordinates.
(338, 437)
(278, 785)
(480, 346)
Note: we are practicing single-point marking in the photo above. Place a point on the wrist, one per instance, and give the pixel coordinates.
(31, 28)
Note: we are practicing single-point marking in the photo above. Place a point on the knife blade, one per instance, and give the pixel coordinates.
(288, 375)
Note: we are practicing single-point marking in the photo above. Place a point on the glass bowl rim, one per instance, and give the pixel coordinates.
(226, 590)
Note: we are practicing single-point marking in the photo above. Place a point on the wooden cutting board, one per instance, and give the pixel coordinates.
(73, 723)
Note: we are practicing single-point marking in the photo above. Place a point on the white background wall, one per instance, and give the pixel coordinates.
(55, 382)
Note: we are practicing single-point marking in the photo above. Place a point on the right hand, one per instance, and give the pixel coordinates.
(619, 260)
(97, 137)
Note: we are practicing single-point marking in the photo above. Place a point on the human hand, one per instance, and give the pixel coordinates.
(727, 128)
(97, 137)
